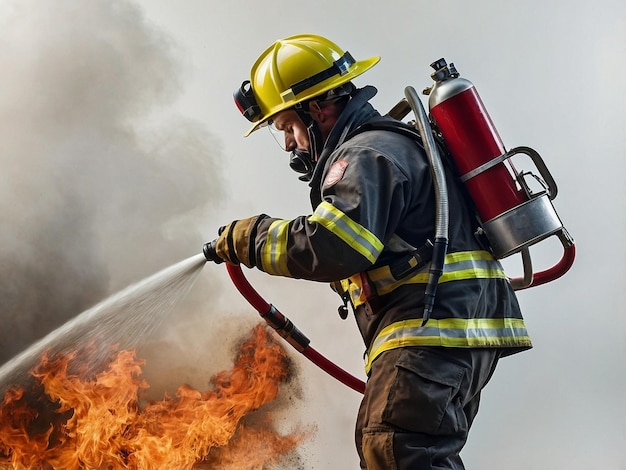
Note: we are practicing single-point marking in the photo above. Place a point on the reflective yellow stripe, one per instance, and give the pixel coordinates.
(274, 253)
(356, 236)
(458, 266)
(451, 332)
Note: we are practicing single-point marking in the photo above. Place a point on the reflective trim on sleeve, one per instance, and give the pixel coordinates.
(452, 332)
(274, 253)
(356, 236)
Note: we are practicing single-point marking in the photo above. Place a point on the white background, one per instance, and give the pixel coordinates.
(551, 74)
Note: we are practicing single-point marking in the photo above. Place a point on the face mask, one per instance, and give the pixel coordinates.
(302, 162)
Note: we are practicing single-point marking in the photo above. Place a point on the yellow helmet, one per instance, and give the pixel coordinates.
(293, 70)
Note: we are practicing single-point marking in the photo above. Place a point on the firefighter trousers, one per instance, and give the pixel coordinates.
(419, 405)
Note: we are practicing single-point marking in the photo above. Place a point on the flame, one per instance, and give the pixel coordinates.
(97, 422)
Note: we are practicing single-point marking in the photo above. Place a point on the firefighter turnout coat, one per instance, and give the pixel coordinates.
(373, 207)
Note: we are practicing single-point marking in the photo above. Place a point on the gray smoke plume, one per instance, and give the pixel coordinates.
(98, 187)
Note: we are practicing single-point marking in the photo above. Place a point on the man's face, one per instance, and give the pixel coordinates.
(294, 131)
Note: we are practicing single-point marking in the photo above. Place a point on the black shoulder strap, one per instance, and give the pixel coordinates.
(386, 125)
(409, 131)
(412, 133)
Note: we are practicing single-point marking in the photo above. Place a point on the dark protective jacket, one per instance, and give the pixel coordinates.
(373, 201)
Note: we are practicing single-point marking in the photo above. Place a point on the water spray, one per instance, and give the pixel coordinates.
(145, 304)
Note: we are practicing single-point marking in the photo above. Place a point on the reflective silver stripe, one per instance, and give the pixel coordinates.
(356, 236)
(274, 253)
(451, 332)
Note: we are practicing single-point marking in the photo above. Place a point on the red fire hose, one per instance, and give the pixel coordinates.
(285, 328)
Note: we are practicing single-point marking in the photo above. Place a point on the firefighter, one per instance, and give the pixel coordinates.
(370, 234)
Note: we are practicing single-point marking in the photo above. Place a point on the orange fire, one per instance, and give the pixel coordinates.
(97, 421)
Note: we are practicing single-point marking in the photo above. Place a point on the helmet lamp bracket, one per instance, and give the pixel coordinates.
(246, 102)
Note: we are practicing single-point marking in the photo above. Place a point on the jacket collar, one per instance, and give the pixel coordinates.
(357, 111)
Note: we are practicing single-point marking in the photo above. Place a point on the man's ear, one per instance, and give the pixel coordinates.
(316, 111)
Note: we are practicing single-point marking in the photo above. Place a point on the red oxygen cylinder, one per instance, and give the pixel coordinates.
(512, 215)
(476, 142)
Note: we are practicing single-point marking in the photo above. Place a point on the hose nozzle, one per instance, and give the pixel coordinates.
(210, 254)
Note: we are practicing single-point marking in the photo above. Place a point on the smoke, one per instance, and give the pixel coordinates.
(99, 185)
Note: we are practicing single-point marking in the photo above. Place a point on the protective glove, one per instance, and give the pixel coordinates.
(235, 243)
